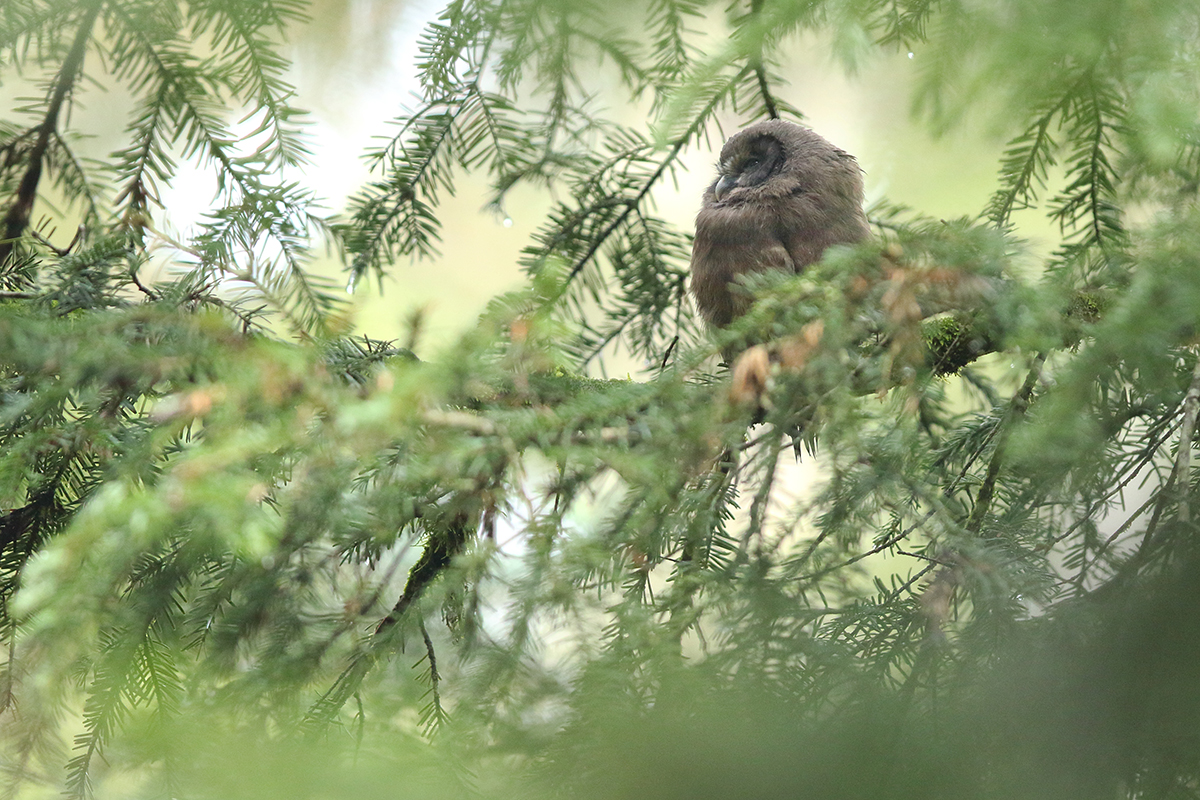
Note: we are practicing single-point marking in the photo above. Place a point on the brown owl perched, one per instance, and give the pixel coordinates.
(783, 194)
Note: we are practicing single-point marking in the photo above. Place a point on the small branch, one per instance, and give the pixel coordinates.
(439, 551)
(666, 359)
(61, 252)
(19, 213)
(760, 72)
(768, 100)
(630, 205)
(459, 419)
(1155, 437)
(438, 714)
(434, 676)
(1004, 201)
(758, 507)
(1081, 576)
(1094, 200)
(908, 584)
(1183, 459)
(876, 550)
(726, 471)
(133, 277)
(922, 557)
(1178, 482)
(636, 200)
(11, 150)
(1016, 409)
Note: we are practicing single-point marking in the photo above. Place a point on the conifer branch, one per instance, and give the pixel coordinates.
(439, 550)
(1025, 163)
(262, 69)
(878, 548)
(19, 213)
(629, 205)
(1154, 439)
(1181, 473)
(1015, 411)
(760, 72)
(249, 498)
(699, 120)
(435, 715)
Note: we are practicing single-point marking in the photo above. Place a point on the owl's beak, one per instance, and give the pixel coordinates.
(723, 186)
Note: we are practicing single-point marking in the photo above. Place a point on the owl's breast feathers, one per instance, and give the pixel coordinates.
(732, 240)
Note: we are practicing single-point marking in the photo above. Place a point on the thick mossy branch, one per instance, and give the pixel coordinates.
(953, 342)
(440, 548)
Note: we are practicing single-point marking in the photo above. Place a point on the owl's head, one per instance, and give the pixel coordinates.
(753, 159)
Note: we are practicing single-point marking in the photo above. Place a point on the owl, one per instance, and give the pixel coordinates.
(783, 194)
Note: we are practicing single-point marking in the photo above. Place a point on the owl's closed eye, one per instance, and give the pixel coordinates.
(782, 196)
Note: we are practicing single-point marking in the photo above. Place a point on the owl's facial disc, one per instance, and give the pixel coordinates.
(761, 158)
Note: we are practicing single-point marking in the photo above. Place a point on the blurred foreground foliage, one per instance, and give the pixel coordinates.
(244, 552)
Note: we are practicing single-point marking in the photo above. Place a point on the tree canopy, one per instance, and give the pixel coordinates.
(246, 551)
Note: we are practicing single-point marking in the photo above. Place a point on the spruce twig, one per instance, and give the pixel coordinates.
(760, 72)
(16, 220)
(1016, 409)
(1181, 473)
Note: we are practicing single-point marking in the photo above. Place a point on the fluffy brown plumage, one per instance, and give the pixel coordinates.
(783, 194)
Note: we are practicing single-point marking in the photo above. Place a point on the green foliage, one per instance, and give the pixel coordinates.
(243, 551)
